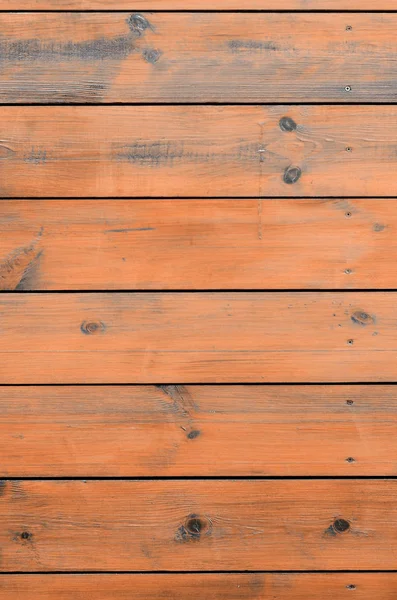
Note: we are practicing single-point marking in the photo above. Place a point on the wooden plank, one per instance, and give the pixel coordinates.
(306, 5)
(208, 151)
(197, 244)
(216, 586)
(193, 525)
(150, 431)
(197, 57)
(201, 337)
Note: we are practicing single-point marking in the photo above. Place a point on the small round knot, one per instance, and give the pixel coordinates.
(151, 55)
(361, 318)
(197, 526)
(287, 124)
(340, 525)
(292, 174)
(92, 327)
(137, 23)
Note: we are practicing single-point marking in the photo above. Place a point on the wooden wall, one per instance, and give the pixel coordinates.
(198, 309)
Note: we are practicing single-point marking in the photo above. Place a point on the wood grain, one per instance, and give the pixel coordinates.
(215, 586)
(198, 525)
(199, 151)
(173, 430)
(198, 244)
(197, 57)
(219, 5)
(200, 337)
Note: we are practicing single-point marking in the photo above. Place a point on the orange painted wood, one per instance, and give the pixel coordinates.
(198, 244)
(198, 337)
(197, 57)
(219, 5)
(195, 525)
(200, 151)
(227, 586)
(177, 430)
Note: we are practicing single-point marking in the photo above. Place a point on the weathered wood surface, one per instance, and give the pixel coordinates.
(198, 525)
(198, 244)
(199, 151)
(173, 430)
(198, 337)
(197, 57)
(219, 5)
(196, 586)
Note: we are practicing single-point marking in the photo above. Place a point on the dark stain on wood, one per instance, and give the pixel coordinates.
(192, 435)
(37, 156)
(378, 227)
(152, 154)
(138, 24)
(251, 45)
(19, 271)
(99, 49)
(129, 229)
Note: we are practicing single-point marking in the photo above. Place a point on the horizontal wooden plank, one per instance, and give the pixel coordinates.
(197, 57)
(306, 5)
(198, 337)
(126, 525)
(177, 430)
(215, 586)
(160, 151)
(198, 244)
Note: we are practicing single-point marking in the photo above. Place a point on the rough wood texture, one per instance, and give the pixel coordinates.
(200, 337)
(198, 5)
(197, 244)
(198, 525)
(176, 431)
(230, 586)
(197, 57)
(198, 151)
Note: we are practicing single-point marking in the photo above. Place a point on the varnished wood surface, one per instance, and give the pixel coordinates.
(198, 244)
(198, 337)
(199, 151)
(198, 525)
(197, 57)
(230, 586)
(219, 5)
(177, 430)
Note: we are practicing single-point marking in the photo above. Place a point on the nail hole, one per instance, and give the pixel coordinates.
(348, 88)
(349, 149)
(350, 459)
(341, 525)
(350, 402)
(193, 434)
(348, 271)
(351, 586)
(350, 342)
(348, 214)
(26, 535)
(349, 27)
